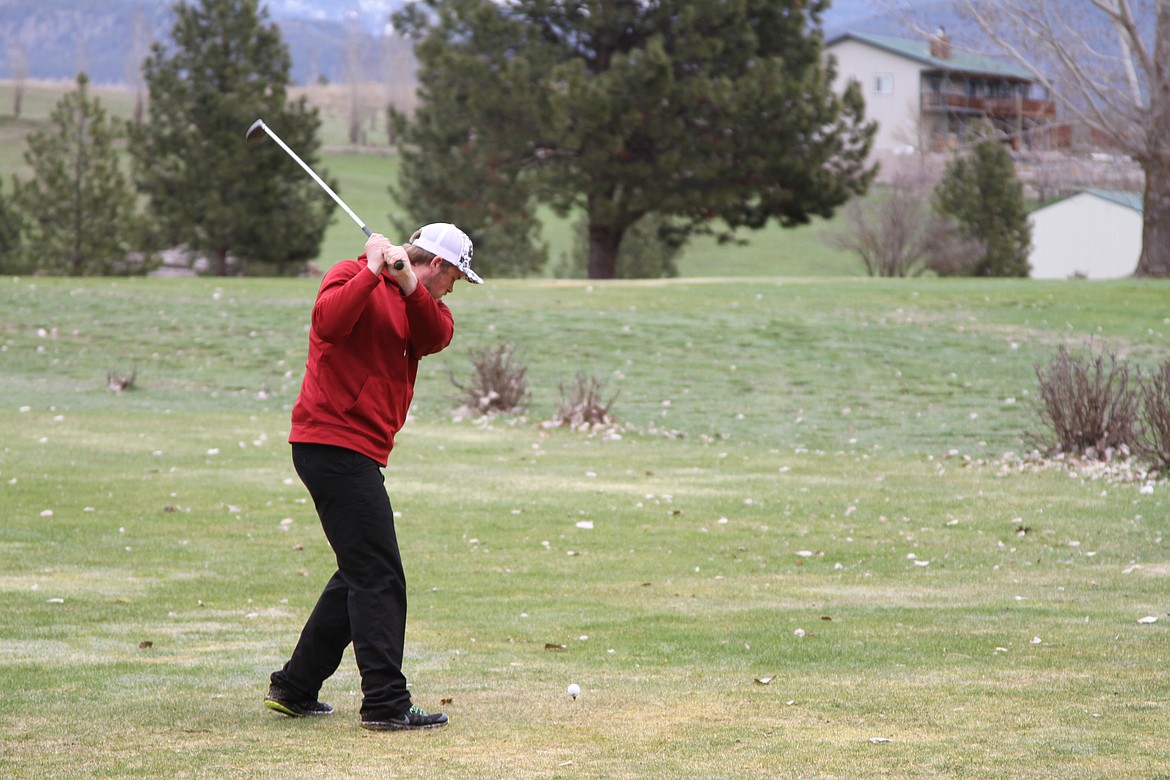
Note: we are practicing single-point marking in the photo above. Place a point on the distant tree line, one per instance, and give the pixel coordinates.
(649, 122)
(105, 195)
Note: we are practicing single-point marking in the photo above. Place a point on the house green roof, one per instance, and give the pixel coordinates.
(919, 50)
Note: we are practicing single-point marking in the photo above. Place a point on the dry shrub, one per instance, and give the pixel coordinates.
(499, 383)
(1153, 443)
(581, 404)
(897, 232)
(117, 381)
(1087, 402)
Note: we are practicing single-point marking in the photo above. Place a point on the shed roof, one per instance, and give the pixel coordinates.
(919, 50)
(1129, 200)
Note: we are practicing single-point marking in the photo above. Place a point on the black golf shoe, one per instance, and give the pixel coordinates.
(414, 718)
(280, 700)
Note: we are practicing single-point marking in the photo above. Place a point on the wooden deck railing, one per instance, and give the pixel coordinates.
(1001, 107)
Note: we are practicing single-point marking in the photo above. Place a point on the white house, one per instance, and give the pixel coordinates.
(1095, 234)
(926, 93)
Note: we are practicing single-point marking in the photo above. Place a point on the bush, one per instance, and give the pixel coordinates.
(499, 383)
(1087, 402)
(897, 233)
(1153, 442)
(581, 404)
(10, 261)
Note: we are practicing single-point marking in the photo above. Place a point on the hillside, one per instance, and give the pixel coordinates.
(109, 38)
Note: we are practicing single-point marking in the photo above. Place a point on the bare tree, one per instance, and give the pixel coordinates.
(135, 54)
(354, 46)
(896, 232)
(18, 67)
(1107, 62)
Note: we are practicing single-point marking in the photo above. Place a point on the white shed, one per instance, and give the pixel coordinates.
(1095, 234)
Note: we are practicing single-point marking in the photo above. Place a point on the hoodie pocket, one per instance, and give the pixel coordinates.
(377, 408)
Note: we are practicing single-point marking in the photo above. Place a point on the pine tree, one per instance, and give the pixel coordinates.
(79, 209)
(452, 168)
(983, 194)
(699, 111)
(10, 259)
(468, 185)
(207, 188)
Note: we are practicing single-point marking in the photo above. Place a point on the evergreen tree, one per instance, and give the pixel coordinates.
(79, 209)
(464, 185)
(208, 189)
(10, 259)
(695, 110)
(983, 195)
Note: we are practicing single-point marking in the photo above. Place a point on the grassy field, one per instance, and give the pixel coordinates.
(810, 554)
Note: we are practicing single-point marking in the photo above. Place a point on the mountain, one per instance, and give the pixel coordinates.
(54, 39)
(906, 19)
(369, 15)
(109, 39)
(843, 13)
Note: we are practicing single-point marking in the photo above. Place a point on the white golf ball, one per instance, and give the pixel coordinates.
(574, 690)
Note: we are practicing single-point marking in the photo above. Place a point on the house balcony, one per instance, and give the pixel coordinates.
(997, 107)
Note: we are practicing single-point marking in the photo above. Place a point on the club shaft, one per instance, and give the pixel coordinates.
(336, 198)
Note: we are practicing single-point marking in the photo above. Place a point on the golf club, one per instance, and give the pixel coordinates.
(257, 131)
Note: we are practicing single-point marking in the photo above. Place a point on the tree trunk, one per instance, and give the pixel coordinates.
(604, 241)
(18, 68)
(221, 265)
(1155, 260)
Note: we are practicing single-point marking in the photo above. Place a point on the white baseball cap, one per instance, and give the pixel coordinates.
(450, 243)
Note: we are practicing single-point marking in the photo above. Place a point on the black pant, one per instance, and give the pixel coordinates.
(365, 601)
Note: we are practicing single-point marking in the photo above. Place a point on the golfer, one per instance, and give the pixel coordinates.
(370, 325)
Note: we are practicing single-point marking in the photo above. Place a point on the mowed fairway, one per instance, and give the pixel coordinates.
(809, 556)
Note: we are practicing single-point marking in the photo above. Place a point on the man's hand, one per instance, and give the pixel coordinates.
(382, 256)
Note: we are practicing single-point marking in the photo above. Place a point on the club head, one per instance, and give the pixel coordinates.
(255, 132)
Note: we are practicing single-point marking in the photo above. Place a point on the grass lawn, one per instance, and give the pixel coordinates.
(808, 553)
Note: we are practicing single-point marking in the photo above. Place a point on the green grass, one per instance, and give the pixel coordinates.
(363, 183)
(792, 452)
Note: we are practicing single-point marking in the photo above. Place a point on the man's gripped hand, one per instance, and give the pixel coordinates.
(381, 256)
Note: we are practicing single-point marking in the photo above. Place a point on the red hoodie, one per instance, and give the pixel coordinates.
(364, 346)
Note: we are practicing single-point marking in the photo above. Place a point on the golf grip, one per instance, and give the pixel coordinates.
(397, 263)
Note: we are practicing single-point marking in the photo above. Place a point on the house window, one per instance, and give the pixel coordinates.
(883, 83)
